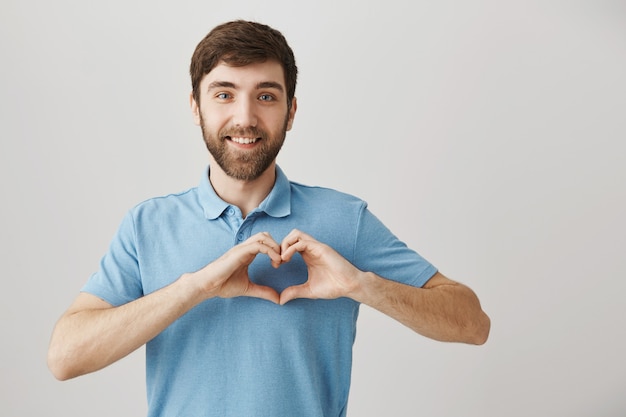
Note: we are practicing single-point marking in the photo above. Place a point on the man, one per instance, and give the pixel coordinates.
(246, 289)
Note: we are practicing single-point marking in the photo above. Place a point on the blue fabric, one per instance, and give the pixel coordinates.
(247, 356)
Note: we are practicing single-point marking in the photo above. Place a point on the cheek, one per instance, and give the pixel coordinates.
(211, 120)
(278, 121)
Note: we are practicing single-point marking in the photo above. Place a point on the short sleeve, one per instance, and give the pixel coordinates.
(378, 250)
(118, 280)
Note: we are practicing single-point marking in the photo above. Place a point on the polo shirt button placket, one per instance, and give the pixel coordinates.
(245, 229)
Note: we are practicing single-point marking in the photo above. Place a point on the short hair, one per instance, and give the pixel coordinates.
(239, 43)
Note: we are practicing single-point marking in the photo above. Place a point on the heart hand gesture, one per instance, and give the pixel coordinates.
(330, 275)
(228, 277)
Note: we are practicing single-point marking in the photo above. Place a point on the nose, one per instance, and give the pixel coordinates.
(245, 113)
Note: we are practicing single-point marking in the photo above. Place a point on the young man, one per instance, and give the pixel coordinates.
(234, 323)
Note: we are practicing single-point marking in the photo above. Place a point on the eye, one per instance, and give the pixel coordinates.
(223, 96)
(266, 97)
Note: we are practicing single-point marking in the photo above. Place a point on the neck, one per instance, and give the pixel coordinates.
(247, 195)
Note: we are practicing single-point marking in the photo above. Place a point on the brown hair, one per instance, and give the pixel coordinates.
(240, 43)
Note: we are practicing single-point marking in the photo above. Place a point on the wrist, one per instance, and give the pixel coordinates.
(365, 287)
(191, 285)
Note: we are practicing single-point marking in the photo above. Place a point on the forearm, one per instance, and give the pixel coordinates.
(449, 312)
(92, 336)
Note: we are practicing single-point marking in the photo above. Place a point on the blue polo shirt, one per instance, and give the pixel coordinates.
(246, 356)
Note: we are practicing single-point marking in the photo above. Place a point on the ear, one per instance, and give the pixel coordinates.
(292, 112)
(195, 109)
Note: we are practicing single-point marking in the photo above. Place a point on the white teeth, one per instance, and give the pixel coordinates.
(243, 141)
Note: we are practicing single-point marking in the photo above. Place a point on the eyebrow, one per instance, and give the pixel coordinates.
(259, 86)
(270, 84)
(220, 84)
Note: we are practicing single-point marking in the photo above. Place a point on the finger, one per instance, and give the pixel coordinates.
(293, 242)
(264, 238)
(274, 256)
(264, 243)
(296, 291)
(298, 246)
(294, 236)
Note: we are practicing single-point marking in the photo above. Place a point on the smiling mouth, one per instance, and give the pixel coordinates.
(242, 141)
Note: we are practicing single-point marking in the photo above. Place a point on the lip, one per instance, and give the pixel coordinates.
(243, 143)
(242, 140)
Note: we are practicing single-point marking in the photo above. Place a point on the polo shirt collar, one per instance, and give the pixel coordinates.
(278, 201)
(276, 204)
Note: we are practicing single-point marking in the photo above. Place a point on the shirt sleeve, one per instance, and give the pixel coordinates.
(379, 251)
(118, 280)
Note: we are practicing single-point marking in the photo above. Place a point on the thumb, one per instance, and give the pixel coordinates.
(293, 292)
(262, 291)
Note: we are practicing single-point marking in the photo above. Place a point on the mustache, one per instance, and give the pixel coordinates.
(251, 132)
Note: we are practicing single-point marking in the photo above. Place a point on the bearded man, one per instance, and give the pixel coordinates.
(234, 323)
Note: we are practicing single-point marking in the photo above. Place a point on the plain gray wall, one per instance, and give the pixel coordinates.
(489, 135)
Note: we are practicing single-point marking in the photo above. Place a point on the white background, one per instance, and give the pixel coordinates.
(488, 135)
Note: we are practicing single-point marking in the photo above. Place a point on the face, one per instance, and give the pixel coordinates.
(244, 117)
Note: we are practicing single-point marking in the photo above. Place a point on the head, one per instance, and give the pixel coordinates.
(243, 83)
(239, 43)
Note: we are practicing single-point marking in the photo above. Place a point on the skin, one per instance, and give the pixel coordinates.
(250, 102)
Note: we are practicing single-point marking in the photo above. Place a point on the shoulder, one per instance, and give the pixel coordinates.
(327, 203)
(164, 205)
(323, 195)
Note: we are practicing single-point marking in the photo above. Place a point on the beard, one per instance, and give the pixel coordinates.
(245, 165)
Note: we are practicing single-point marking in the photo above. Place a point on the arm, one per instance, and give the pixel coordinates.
(92, 334)
(442, 309)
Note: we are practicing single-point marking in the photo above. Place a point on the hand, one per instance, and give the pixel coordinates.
(227, 276)
(330, 274)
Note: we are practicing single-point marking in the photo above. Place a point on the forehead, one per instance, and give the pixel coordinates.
(248, 75)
